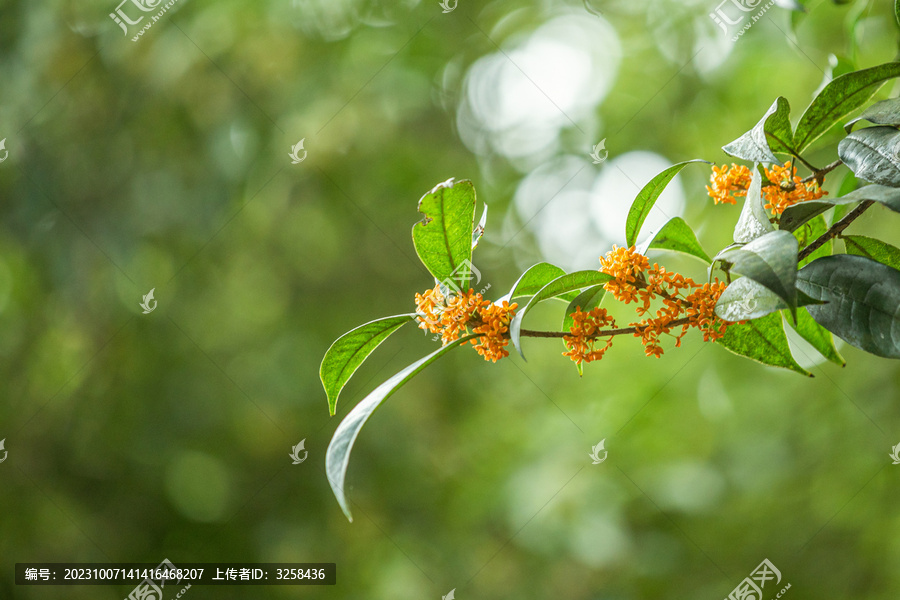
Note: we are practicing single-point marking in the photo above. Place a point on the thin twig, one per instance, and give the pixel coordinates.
(603, 333)
(836, 229)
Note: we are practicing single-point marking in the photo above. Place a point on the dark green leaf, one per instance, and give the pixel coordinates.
(842, 96)
(585, 301)
(770, 260)
(817, 336)
(675, 235)
(647, 197)
(349, 351)
(795, 216)
(557, 287)
(771, 134)
(764, 341)
(753, 222)
(871, 154)
(337, 457)
(886, 112)
(443, 239)
(863, 301)
(874, 249)
(810, 232)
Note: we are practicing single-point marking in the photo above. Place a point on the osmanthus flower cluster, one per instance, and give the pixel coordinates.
(782, 270)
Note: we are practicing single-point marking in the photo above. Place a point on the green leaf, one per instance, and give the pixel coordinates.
(817, 336)
(753, 222)
(863, 301)
(647, 197)
(533, 279)
(772, 134)
(795, 216)
(443, 239)
(557, 287)
(337, 457)
(770, 260)
(886, 112)
(764, 341)
(871, 154)
(678, 236)
(349, 351)
(479, 229)
(744, 299)
(883, 252)
(897, 11)
(586, 301)
(810, 232)
(842, 96)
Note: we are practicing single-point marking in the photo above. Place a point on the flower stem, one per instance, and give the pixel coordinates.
(603, 333)
(836, 229)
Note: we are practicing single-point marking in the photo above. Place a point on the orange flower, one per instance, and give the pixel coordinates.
(788, 189)
(702, 313)
(728, 183)
(627, 266)
(494, 326)
(584, 330)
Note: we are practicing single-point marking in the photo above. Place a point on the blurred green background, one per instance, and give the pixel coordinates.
(163, 163)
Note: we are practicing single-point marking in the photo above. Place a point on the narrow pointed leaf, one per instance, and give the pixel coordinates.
(443, 239)
(337, 458)
(771, 134)
(839, 98)
(349, 351)
(557, 287)
(764, 341)
(533, 279)
(871, 248)
(753, 222)
(586, 301)
(678, 236)
(863, 301)
(647, 197)
(817, 336)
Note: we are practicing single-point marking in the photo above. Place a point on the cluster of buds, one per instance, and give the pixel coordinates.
(785, 187)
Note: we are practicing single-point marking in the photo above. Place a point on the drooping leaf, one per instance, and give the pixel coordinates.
(863, 301)
(745, 299)
(647, 197)
(533, 279)
(883, 252)
(770, 260)
(443, 239)
(678, 236)
(817, 336)
(557, 287)
(771, 134)
(795, 216)
(886, 112)
(337, 457)
(764, 341)
(349, 351)
(753, 222)
(842, 96)
(871, 154)
(586, 301)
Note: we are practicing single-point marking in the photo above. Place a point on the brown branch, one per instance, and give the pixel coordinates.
(818, 175)
(603, 333)
(836, 229)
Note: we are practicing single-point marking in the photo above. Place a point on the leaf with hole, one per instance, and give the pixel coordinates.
(863, 301)
(349, 351)
(443, 239)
